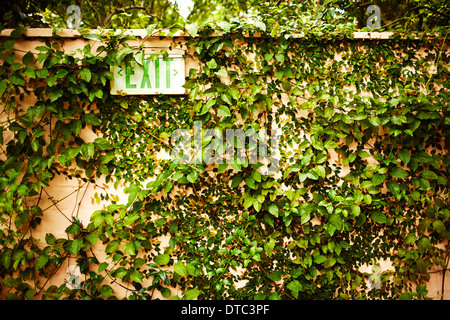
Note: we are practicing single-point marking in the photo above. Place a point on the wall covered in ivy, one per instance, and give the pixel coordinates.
(92, 206)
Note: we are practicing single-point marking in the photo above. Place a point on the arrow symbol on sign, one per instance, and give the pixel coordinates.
(176, 72)
(120, 72)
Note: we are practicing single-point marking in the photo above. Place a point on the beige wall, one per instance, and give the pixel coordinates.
(78, 198)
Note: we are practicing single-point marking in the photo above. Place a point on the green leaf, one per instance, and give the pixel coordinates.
(106, 291)
(375, 121)
(120, 273)
(85, 74)
(91, 118)
(192, 29)
(41, 261)
(422, 266)
(136, 276)
(165, 292)
(192, 294)
(236, 181)
(181, 269)
(112, 246)
(273, 209)
(268, 247)
(424, 244)
(224, 111)
(8, 45)
(102, 144)
(129, 248)
(224, 25)
(286, 85)
(76, 245)
(223, 73)
(319, 259)
(212, 64)
(427, 174)
(405, 296)
(3, 85)
(274, 276)
(250, 182)
(102, 267)
(260, 25)
(280, 57)
(410, 238)
(87, 150)
(404, 156)
(439, 226)
(378, 179)
(336, 220)
(162, 259)
(295, 287)
(378, 217)
(423, 157)
(399, 173)
(222, 167)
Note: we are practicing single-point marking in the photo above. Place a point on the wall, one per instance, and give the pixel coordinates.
(65, 198)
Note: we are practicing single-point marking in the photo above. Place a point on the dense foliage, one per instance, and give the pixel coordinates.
(381, 107)
(417, 15)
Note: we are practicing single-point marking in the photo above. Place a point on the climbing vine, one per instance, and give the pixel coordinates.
(363, 167)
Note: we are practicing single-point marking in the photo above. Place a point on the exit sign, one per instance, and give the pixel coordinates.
(157, 74)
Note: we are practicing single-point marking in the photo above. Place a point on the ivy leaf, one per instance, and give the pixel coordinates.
(405, 296)
(268, 247)
(102, 144)
(286, 85)
(224, 25)
(295, 287)
(87, 150)
(250, 182)
(136, 276)
(378, 179)
(423, 157)
(375, 121)
(273, 209)
(224, 111)
(106, 291)
(410, 238)
(85, 74)
(399, 173)
(41, 261)
(3, 85)
(378, 217)
(212, 64)
(129, 248)
(427, 174)
(236, 181)
(192, 294)
(280, 57)
(439, 226)
(274, 276)
(76, 245)
(260, 25)
(162, 259)
(91, 118)
(404, 156)
(112, 246)
(181, 269)
(319, 259)
(192, 29)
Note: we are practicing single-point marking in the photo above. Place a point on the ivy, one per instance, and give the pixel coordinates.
(362, 155)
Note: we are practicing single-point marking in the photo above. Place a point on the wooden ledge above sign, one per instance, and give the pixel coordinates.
(157, 72)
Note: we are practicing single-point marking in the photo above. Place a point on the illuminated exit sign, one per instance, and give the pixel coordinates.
(156, 74)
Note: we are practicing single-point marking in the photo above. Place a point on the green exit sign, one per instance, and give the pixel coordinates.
(156, 74)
